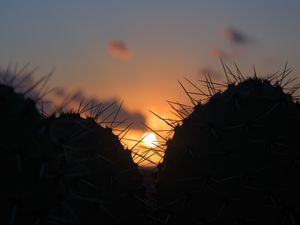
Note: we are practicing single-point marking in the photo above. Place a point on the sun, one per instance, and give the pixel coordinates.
(149, 140)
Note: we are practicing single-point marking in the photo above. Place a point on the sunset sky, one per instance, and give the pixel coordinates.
(136, 51)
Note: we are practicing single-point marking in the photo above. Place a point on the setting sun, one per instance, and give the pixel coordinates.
(149, 140)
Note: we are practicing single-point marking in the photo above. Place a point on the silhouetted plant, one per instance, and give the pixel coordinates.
(234, 158)
(63, 168)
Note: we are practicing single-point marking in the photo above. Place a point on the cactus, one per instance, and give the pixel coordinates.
(235, 158)
(63, 169)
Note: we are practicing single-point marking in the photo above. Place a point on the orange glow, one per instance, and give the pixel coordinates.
(149, 140)
(143, 154)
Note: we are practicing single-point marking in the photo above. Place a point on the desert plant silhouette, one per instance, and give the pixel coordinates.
(62, 168)
(234, 159)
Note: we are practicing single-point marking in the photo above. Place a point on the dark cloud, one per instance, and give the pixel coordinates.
(124, 114)
(235, 36)
(109, 108)
(119, 49)
(59, 91)
(77, 96)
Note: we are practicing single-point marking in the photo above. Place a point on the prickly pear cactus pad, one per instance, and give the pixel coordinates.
(21, 162)
(63, 169)
(19, 116)
(107, 176)
(235, 158)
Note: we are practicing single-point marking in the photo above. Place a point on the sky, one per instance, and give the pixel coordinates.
(136, 51)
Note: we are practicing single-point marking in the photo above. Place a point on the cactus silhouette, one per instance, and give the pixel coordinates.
(235, 158)
(63, 169)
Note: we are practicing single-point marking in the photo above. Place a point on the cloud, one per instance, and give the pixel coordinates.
(235, 36)
(119, 49)
(78, 96)
(217, 52)
(71, 102)
(137, 118)
(122, 114)
(59, 91)
(110, 108)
